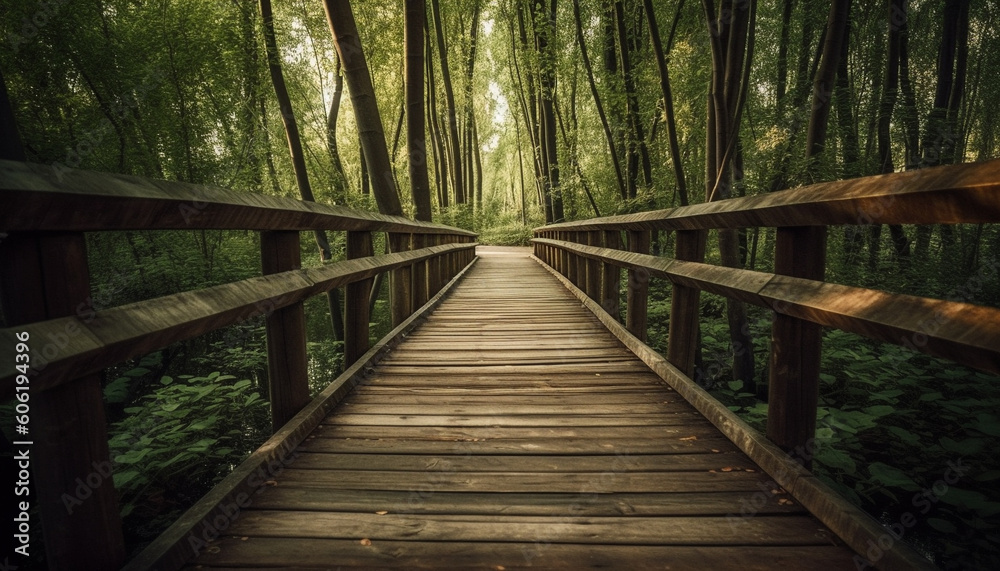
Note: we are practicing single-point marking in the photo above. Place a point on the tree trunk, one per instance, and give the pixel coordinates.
(340, 188)
(416, 142)
(668, 99)
(823, 85)
(544, 31)
(731, 40)
(366, 113)
(455, 156)
(440, 157)
(597, 100)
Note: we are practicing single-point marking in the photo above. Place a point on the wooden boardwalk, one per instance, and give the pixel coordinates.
(512, 429)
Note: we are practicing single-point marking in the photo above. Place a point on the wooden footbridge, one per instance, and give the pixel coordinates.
(509, 420)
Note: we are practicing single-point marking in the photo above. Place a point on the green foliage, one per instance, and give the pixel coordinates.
(181, 439)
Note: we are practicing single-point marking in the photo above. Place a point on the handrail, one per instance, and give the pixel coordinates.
(966, 193)
(35, 197)
(962, 332)
(44, 280)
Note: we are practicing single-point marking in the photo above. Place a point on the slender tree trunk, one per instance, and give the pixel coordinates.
(366, 113)
(547, 87)
(824, 83)
(668, 99)
(340, 188)
(455, 157)
(440, 157)
(597, 100)
(295, 149)
(530, 112)
(416, 142)
(731, 40)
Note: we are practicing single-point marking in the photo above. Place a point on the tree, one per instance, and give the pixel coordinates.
(731, 30)
(345, 35)
(416, 142)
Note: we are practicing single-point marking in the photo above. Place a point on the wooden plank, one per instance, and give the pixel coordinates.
(511, 463)
(345, 418)
(37, 197)
(287, 363)
(952, 194)
(793, 371)
(535, 446)
(89, 341)
(534, 504)
(787, 530)
(537, 553)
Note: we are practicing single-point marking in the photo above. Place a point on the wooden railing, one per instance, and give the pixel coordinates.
(44, 280)
(590, 254)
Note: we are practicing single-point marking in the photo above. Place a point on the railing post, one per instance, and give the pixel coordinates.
(611, 277)
(563, 255)
(637, 296)
(400, 303)
(356, 319)
(420, 296)
(594, 268)
(45, 277)
(793, 380)
(287, 370)
(682, 339)
(571, 266)
(434, 267)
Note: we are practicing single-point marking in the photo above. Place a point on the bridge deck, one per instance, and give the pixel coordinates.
(512, 429)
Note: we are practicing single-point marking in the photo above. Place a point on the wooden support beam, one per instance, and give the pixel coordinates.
(419, 291)
(287, 367)
(682, 341)
(45, 277)
(594, 268)
(793, 376)
(637, 295)
(400, 288)
(356, 318)
(611, 277)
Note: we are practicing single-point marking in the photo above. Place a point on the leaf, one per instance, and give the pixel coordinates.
(905, 435)
(165, 380)
(987, 424)
(892, 477)
(123, 478)
(117, 390)
(735, 385)
(837, 460)
(942, 525)
(967, 447)
(931, 397)
(137, 372)
(880, 410)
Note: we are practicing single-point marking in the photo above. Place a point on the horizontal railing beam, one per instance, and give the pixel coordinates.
(952, 194)
(90, 341)
(36, 197)
(962, 332)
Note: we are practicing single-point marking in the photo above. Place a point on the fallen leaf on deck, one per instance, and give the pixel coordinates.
(366, 542)
(381, 512)
(270, 483)
(727, 469)
(690, 438)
